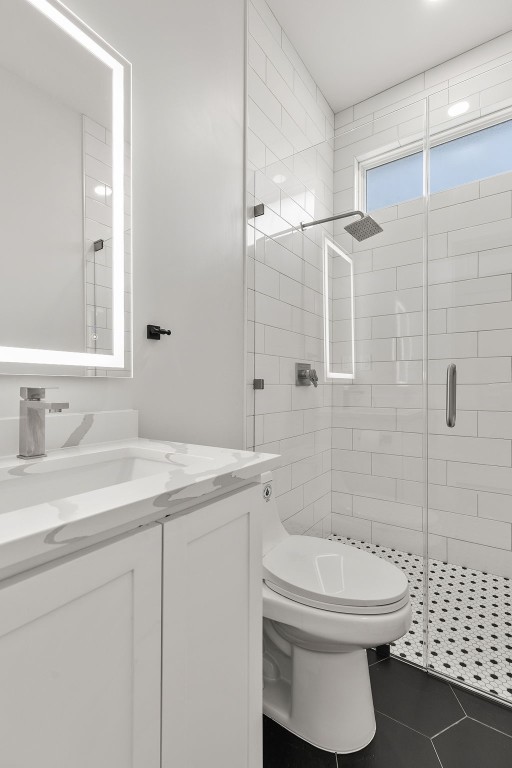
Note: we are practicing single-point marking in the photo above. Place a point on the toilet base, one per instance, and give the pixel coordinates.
(326, 700)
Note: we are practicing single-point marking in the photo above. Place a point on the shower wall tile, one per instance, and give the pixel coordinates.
(399, 538)
(280, 426)
(483, 558)
(348, 418)
(494, 262)
(457, 195)
(477, 211)
(290, 170)
(368, 486)
(352, 461)
(479, 477)
(400, 467)
(480, 238)
(495, 424)
(459, 500)
(347, 525)
(380, 441)
(491, 343)
(494, 506)
(477, 530)
(485, 317)
(378, 421)
(466, 426)
(483, 290)
(380, 510)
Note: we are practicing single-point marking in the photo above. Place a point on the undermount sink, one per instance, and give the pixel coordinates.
(29, 483)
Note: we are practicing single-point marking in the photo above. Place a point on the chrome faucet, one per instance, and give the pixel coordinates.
(33, 409)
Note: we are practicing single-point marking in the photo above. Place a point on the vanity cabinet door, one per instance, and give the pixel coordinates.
(212, 624)
(80, 650)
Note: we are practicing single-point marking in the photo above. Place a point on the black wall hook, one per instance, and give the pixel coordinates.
(154, 332)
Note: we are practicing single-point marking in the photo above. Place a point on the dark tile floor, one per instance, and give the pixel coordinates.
(422, 722)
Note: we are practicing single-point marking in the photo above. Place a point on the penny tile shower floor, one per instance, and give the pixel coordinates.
(470, 615)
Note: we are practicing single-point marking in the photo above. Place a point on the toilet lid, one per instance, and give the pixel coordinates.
(331, 574)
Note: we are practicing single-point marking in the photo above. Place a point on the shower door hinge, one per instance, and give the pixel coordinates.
(259, 210)
(258, 383)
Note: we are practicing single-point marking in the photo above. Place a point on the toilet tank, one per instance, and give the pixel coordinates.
(273, 530)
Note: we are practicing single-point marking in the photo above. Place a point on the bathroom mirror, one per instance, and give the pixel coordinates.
(339, 337)
(65, 159)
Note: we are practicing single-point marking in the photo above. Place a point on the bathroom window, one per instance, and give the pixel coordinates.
(394, 182)
(474, 156)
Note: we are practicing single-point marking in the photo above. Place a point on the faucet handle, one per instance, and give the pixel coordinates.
(34, 393)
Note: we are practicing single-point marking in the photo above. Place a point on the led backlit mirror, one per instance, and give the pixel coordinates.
(65, 301)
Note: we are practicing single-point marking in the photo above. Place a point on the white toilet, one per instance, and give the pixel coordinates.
(324, 603)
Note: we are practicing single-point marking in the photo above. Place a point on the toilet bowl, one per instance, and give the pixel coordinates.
(324, 604)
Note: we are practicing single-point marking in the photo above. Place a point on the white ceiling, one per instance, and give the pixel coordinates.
(357, 48)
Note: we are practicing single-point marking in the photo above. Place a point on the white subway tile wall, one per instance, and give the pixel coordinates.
(290, 171)
(378, 424)
(375, 424)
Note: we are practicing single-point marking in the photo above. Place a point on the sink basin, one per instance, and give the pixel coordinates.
(29, 483)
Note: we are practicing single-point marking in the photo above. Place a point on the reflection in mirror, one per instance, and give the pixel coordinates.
(64, 153)
(339, 337)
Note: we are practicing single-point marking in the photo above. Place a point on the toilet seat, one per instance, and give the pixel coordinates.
(334, 577)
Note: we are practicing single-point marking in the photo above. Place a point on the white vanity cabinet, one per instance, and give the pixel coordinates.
(211, 694)
(80, 659)
(141, 652)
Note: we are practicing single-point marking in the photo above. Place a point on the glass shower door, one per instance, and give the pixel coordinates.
(469, 268)
(378, 420)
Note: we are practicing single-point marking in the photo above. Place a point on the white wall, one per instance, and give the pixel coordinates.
(378, 489)
(290, 162)
(188, 112)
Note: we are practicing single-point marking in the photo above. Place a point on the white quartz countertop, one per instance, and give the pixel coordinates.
(182, 476)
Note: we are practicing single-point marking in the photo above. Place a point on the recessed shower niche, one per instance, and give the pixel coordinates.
(65, 152)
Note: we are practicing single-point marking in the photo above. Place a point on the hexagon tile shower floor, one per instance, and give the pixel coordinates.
(470, 615)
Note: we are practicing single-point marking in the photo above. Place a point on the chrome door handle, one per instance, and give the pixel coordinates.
(451, 395)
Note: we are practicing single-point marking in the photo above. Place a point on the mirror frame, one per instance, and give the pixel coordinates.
(121, 90)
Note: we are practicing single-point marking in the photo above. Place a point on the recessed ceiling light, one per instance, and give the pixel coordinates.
(279, 178)
(458, 109)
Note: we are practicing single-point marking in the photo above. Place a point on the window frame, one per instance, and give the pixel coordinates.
(374, 159)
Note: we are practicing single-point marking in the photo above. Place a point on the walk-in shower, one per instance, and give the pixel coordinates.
(371, 458)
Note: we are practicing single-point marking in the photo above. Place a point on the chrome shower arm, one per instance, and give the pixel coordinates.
(305, 224)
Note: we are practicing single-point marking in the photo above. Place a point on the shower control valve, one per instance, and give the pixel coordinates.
(305, 375)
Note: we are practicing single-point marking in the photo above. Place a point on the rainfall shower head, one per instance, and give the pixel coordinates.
(363, 229)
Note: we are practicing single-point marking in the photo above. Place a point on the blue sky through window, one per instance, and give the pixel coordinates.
(478, 155)
(472, 157)
(394, 182)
